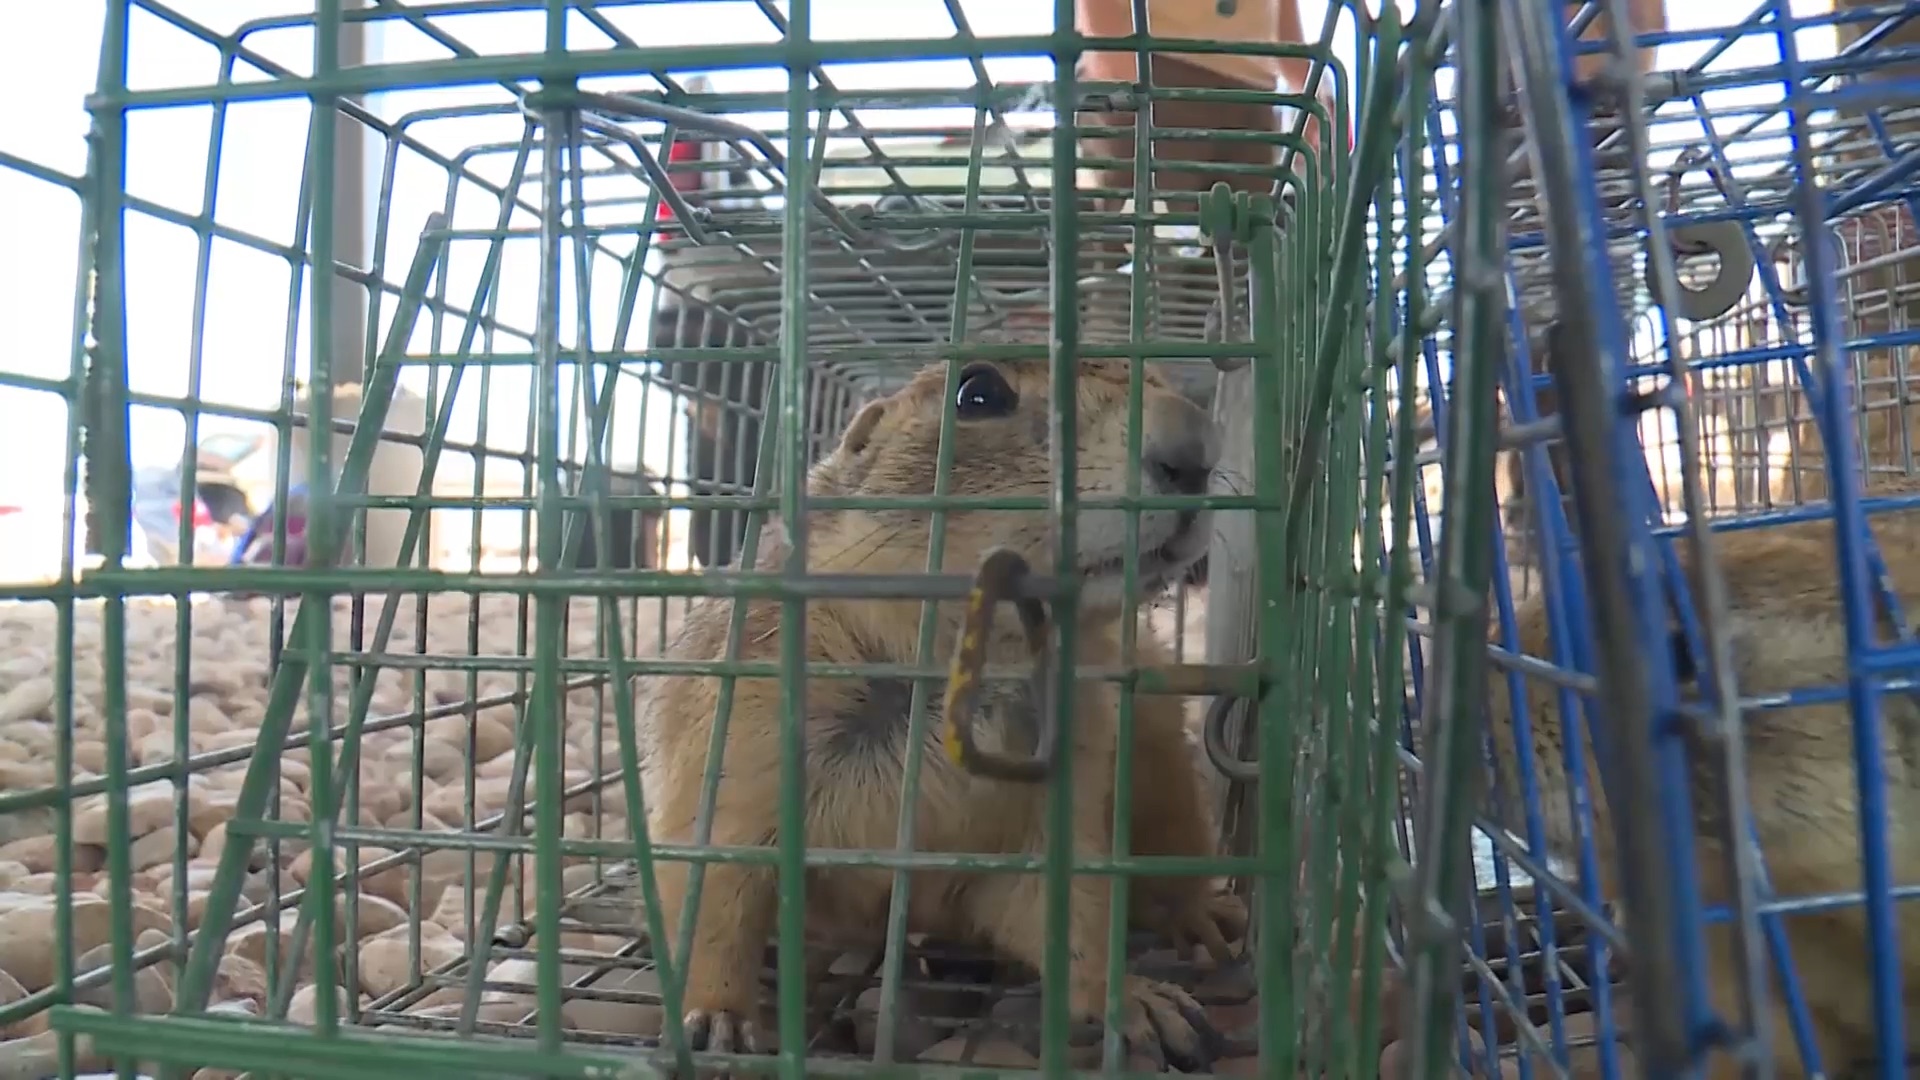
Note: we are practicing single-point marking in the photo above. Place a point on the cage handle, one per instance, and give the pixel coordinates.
(999, 578)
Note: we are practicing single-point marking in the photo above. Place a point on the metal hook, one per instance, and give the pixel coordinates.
(1213, 738)
(1684, 163)
(999, 578)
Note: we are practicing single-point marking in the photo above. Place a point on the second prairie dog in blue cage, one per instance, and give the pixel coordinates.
(1788, 633)
(857, 731)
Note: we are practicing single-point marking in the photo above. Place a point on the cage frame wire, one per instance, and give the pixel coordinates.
(1631, 704)
(1757, 915)
(790, 456)
(112, 106)
(315, 583)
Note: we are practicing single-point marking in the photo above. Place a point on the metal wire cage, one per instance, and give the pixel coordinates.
(1687, 799)
(414, 776)
(316, 816)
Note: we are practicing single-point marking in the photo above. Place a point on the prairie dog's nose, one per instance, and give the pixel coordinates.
(1181, 447)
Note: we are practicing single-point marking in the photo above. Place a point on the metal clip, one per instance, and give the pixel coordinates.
(1213, 738)
(999, 576)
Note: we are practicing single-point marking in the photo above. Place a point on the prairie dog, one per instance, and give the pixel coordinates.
(1787, 628)
(857, 732)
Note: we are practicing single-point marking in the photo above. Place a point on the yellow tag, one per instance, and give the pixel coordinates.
(955, 682)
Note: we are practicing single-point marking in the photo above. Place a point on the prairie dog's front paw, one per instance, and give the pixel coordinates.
(1211, 919)
(725, 1031)
(1166, 1025)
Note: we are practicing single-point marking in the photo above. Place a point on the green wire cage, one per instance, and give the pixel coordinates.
(364, 799)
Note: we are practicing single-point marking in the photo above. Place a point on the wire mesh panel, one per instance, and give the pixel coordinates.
(719, 567)
(1689, 795)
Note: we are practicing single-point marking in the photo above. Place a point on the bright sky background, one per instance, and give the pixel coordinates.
(264, 142)
(53, 49)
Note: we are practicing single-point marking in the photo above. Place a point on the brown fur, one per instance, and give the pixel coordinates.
(1787, 633)
(855, 778)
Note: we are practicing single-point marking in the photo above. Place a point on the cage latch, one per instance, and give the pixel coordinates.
(999, 578)
(1226, 217)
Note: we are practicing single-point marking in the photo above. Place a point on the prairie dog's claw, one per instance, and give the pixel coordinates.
(1164, 1024)
(724, 1032)
(1215, 922)
(1231, 913)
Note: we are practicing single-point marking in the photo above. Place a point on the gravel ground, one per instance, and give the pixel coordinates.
(227, 685)
(467, 729)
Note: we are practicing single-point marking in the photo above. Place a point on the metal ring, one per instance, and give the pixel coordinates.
(1728, 241)
(1213, 739)
(999, 576)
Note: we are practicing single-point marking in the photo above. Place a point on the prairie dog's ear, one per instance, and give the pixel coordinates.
(861, 430)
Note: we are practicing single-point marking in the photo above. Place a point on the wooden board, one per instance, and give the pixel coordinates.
(1250, 20)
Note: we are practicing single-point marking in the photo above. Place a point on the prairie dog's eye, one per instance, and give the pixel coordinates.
(984, 394)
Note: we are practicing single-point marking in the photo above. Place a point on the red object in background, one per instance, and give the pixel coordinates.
(202, 517)
(681, 150)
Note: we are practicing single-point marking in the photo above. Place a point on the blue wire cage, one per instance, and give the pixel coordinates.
(1699, 687)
